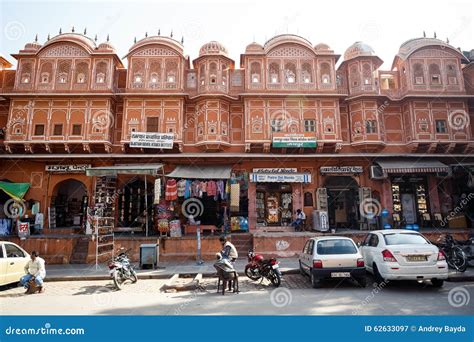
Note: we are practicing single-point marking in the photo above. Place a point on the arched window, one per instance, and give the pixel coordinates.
(46, 72)
(64, 69)
(101, 72)
(274, 72)
(212, 73)
(171, 71)
(155, 74)
(62, 78)
(255, 72)
(435, 74)
(202, 75)
(306, 73)
(290, 73)
(138, 78)
(451, 73)
(418, 77)
(82, 70)
(354, 76)
(325, 70)
(26, 71)
(367, 73)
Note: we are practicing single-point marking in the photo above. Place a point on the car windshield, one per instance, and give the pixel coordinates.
(336, 246)
(404, 239)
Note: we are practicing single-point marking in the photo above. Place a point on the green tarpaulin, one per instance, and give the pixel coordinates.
(15, 190)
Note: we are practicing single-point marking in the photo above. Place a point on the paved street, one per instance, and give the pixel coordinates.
(295, 296)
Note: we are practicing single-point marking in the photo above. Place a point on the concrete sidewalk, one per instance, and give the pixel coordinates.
(168, 269)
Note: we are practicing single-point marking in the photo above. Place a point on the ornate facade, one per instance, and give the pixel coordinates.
(73, 101)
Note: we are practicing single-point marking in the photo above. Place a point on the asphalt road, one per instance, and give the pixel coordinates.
(294, 297)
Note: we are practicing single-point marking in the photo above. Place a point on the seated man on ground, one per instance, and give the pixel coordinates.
(35, 270)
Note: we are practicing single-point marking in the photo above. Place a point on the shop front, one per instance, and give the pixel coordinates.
(278, 194)
(414, 190)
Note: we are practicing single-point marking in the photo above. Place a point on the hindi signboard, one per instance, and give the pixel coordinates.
(72, 168)
(304, 140)
(341, 169)
(152, 140)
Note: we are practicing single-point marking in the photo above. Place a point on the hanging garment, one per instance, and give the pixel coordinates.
(181, 187)
(203, 188)
(39, 220)
(227, 190)
(234, 197)
(211, 188)
(187, 189)
(157, 191)
(171, 193)
(195, 188)
(220, 190)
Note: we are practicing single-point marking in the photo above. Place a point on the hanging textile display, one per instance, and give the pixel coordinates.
(171, 193)
(157, 191)
(234, 197)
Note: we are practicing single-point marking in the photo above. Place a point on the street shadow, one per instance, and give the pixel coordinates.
(95, 289)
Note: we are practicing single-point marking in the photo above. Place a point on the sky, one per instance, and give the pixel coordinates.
(384, 25)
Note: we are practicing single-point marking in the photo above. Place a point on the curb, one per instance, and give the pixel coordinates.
(145, 276)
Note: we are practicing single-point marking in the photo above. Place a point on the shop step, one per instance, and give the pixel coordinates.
(80, 251)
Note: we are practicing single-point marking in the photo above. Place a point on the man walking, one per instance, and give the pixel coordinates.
(35, 270)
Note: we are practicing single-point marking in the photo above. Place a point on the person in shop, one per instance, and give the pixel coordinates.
(35, 270)
(300, 217)
(228, 249)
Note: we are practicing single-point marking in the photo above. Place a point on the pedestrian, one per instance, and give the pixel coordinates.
(35, 270)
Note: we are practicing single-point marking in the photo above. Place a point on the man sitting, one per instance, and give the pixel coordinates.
(34, 270)
(300, 217)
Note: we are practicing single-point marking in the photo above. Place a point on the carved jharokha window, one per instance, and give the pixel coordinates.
(255, 72)
(44, 77)
(309, 125)
(371, 126)
(418, 74)
(367, 73)
(452, 74)
(213, 73)
(325, 73)
(435, 74)
(306, 73)
(101, 70)
(152, 124)
(290, 73)
(274, 72)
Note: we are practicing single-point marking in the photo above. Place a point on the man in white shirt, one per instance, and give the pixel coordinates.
(228, 249)
(300, 217)
(35, 270)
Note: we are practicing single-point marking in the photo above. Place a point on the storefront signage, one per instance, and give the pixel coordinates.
(341, 169)
(304, 140)
(74, 168)
(280, 178)
(276, 170)
(23, 229)
(151, 140)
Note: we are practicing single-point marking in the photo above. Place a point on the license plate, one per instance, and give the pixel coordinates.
(340, 274)
(416, 258)
(275, 266)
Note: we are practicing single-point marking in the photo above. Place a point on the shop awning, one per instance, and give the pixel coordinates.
(15, 190)
(280, 177)
(129, 169)
(412, 166)
(201, 172)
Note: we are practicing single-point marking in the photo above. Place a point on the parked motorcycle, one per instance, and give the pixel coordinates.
(122, 270)
(455, 256)
(468, 247)
(259, 268)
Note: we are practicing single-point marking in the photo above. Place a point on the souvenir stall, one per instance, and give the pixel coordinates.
(14, 208)
(211, 197)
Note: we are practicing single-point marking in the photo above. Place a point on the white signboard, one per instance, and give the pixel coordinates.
(342, 169)
(275, 170)
(280, 177)
(75, 168)
(152, 140)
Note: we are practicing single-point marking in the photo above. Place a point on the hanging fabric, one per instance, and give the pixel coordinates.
(234, 197)
(171, 193)
(181, 188)
(157, 191)
(211, 188)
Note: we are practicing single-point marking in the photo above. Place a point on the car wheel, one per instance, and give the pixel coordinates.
(377, 276)
(437, 282)
(315, 282)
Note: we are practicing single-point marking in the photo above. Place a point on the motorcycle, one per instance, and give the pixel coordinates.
(259, 268)
(455, 256)
(468, 247)
(121, 270)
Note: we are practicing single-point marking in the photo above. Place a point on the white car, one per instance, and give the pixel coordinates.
(12, 262)
(332, 257)
(398, 254)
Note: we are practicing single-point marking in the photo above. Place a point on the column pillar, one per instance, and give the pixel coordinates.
(252, 195)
